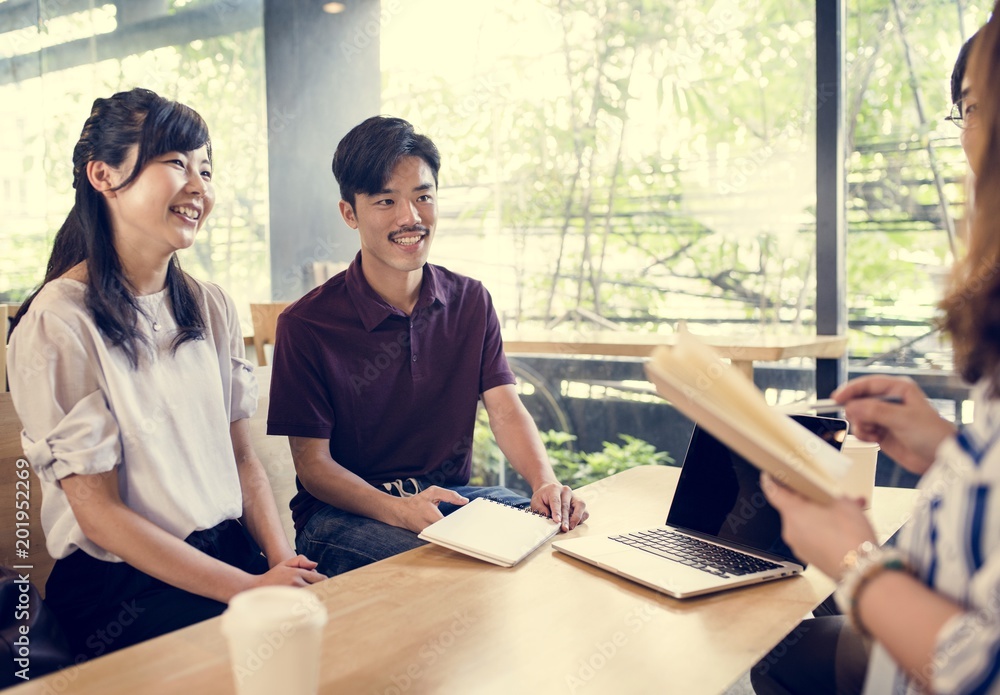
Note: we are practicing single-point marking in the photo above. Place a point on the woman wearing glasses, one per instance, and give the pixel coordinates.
(965, 102)
(923, 616)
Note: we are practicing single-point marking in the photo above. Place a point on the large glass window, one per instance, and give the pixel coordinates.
(640, 162)
(68, 54)
(608, 164)
(654, 162)
(906, 173)
(628, 165)
(612, 165)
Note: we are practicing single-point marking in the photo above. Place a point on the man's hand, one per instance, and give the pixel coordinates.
(559, 502)
(421, 510)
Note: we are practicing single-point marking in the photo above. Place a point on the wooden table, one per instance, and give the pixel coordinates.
(434, 621)
(741, 351)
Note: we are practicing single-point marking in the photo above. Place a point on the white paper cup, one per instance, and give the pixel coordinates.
(859, 481)
(274, 635)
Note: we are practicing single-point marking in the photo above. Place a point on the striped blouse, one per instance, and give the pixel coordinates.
(953, 542)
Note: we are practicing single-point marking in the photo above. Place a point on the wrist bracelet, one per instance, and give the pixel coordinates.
(860, 567)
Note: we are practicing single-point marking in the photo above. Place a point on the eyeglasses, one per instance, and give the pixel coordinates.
(962, 114)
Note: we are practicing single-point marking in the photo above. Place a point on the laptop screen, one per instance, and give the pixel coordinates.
(719, 495)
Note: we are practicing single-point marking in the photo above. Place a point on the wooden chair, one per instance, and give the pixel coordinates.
(274, 454)
(20, 503)
(324, 270)
(265, 321)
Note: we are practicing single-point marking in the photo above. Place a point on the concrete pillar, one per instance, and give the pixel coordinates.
(323, 78)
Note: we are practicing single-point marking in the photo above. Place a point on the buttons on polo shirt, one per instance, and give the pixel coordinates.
(414, 358)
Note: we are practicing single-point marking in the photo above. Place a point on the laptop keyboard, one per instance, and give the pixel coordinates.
(695, 553)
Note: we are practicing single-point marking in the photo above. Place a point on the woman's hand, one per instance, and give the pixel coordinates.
(819, 535)
(295, 571)
(909, 432)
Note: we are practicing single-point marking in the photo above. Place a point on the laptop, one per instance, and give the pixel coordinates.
(720, 532)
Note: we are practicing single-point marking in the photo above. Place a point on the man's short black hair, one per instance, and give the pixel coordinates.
(958, 74)
(366, 157)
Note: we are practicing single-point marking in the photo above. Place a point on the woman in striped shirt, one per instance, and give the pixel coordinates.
(930, 607)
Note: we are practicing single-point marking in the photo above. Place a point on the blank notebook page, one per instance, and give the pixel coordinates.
(492, 531)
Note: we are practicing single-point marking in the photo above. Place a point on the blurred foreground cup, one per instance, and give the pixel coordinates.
(859, 481)
(274, 635)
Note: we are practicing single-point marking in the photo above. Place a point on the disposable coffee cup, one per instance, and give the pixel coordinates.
(859, 481)
(274, 635)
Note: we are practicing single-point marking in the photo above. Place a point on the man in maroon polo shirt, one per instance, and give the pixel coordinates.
(377, 373)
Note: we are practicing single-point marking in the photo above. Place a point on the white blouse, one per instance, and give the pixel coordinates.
(164, 425)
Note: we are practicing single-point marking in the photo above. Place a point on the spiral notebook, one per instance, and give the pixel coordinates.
(491, 530)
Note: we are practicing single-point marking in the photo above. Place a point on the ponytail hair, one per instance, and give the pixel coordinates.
(155, 126)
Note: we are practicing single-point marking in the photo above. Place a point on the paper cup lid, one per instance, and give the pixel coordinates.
(270, 607)
(853, 442)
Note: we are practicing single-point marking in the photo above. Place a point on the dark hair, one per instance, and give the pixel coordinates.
(972, 305)
(116, 124)
(366, 156)
(958, 73)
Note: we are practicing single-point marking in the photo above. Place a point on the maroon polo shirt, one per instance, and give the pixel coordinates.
(396, 395)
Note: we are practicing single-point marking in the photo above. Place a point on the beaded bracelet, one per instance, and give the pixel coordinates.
(860, 567)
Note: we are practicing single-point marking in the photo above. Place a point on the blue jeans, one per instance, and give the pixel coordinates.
(340, 541)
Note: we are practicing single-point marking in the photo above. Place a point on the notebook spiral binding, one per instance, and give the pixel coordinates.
(518, 507)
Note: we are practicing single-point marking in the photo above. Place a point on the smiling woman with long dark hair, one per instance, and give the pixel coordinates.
(130, 381)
